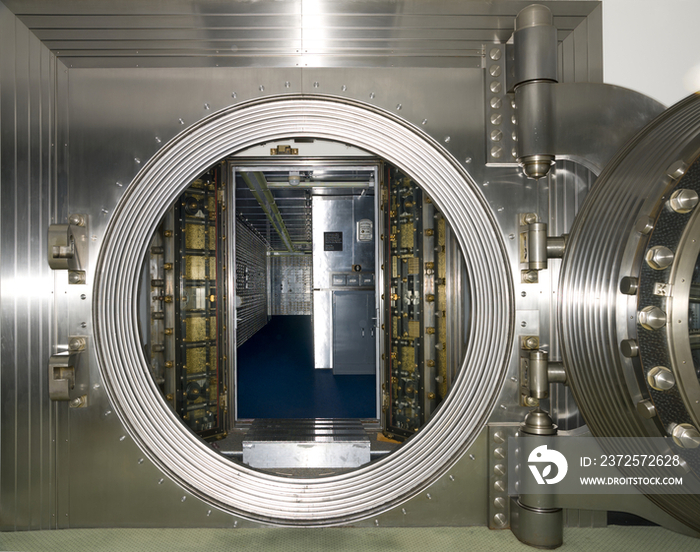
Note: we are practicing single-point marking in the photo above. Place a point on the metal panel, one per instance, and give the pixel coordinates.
(289, 33)
(30, 202)
(290, 284)
(251, 283)
(354, 336)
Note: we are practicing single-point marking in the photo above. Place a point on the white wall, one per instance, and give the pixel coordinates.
(653, 46)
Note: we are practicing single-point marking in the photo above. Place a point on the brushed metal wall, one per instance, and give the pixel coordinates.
(32, 196)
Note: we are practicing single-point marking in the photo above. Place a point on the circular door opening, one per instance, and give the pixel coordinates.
(179, 452)
(342, 325)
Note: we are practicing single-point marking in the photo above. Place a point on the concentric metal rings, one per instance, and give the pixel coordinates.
(606, 349)
(234, 487)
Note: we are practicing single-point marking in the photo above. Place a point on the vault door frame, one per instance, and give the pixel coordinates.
(301, 164)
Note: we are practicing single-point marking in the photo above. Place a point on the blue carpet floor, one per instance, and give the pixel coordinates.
(277, 378)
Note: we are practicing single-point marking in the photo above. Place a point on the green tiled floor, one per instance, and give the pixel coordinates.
(480, 539)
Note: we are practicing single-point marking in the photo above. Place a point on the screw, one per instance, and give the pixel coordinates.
(371, 95)
(500, 519)
(499, 486)
(499, 437)
(261, 88)
(495, 70)
(447, 139)
(499, 502)
(496, 135)
(495, 54)
(343, 88)
(499, 470)
(495, 87)
(234, 95)
(496, 119)
(496, 102)
(181, 121)
(496, 152)
(499, 453)
(316, 84)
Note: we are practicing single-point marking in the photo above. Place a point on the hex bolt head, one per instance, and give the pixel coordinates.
(629, 348)
(76, 277)
(629, 285)
(677, 169)
(661, 378)
(683, 201)
(659, 257)
(686, 436)
(652, 318)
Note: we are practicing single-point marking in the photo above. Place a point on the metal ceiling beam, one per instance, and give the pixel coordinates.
(257, 183)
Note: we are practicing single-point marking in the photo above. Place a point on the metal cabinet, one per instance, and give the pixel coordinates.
(354, 332)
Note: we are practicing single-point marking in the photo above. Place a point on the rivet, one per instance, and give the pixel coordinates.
(504, 407)
(495, 70)
(119, 184)
(495, 54)
(472, 457)
(398, 107)
(261, 88)
(183, 499)
(235, 524)
(122, 437)
(105, 211)
(160, 481)
(514, 119)
(403, 511)
(316, 84)
(343, 88)
(140, 461)
(514, 136)
(371, 95)
(206, 106)
(452, 477)
(376, 523)
(108, 412)
(428, 496)
(468, 160)
(208, 513)
(234, 95)
(424, 121)
(447, 139)
(181, 121)
(158, 140)
(495, 87)
(514, 155)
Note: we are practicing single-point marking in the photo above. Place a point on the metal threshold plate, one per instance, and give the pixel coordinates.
(306, 443)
